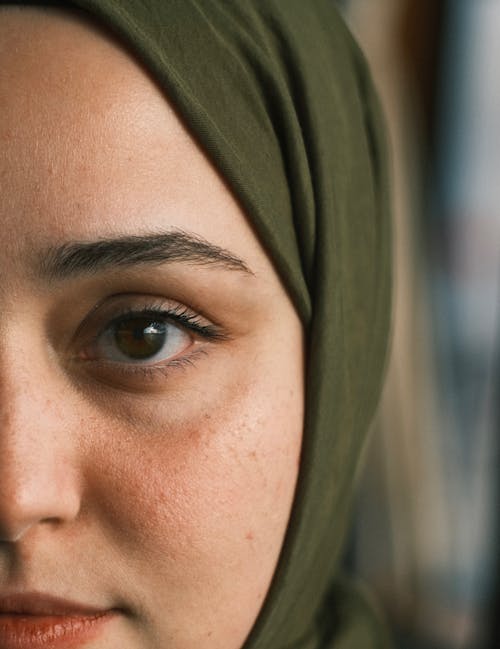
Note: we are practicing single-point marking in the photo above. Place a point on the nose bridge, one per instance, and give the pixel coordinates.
(27, 435)
(37, 474)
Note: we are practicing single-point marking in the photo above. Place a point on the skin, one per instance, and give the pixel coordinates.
(162, 491)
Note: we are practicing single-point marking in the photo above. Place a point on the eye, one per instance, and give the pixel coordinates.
(140, 338)
(128, 337)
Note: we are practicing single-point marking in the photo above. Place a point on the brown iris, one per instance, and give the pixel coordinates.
(140, 338)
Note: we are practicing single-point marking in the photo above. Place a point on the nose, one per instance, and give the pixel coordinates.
(38, 481)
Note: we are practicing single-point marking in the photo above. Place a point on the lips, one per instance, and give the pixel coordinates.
(38, 621)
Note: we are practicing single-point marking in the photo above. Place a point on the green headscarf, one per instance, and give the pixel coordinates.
(278, 95)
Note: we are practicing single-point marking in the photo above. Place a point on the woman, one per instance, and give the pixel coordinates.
(194, 200)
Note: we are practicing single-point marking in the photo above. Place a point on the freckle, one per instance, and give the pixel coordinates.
(253, 455)
(209, 633)
(249, 536)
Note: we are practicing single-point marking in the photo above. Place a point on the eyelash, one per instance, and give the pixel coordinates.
(180, 315)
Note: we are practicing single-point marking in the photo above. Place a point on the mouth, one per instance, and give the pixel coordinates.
(39, 621)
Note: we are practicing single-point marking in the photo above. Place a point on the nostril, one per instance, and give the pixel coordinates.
(14, 527)
(12, 534)
(51, 521)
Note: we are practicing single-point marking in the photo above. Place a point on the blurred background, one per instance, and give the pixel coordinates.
(427, 535)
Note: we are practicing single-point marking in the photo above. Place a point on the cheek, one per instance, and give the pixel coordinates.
(208, 495)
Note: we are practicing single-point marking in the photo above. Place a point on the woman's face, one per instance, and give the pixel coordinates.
(151, 364)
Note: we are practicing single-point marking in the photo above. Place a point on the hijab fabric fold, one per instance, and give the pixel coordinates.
(278, 95)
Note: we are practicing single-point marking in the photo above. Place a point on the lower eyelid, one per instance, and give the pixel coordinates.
(132, 376)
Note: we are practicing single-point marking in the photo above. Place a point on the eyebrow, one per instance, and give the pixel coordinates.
(90, 257)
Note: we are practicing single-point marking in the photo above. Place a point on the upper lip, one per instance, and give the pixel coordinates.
(36, 603)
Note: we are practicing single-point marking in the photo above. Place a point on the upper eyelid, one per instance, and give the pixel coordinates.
(137, 313)
(114, 312)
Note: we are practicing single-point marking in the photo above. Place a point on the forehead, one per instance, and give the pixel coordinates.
(71, 84)
(90, 145)
(77, 112)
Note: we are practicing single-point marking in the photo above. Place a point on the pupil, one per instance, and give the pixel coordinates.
(140, 338)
